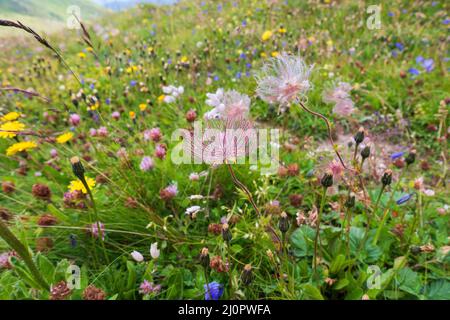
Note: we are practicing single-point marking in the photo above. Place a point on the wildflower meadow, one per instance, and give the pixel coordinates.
(227, 150)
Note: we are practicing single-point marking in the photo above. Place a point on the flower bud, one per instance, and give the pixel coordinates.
(284, 222)
(365, 153)
(386, 179)
(204, 257)
(77, 167)
(226, 233)
(327, 180)
(359, 136)
(411, 157)
(247, 275)
(350, 203)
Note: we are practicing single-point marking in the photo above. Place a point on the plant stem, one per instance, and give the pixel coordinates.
(330, 137)
(243, 187)
(386, 211)
(23, 252)
(316, 240)
(100, 231)
(369, 220)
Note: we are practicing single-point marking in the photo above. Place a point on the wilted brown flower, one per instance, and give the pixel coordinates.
(93, 293)
(47, 220)
(218, 265)
(60, 291)
(5, 214)
(41, 191)
(8, 186)
(44, 244)
(215, 228)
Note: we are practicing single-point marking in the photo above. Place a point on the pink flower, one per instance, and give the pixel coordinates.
(102, 131)
(169, 192)
(92, 132)
(160, 151)
(153, 134)
(146, 164)
(115, 115)
(147, 287)
(94, 230)
(53, 153)
(74, 119)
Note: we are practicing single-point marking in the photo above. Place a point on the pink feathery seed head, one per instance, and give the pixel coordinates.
(115, 115)
(336, 169)
(146, 164)
(74, 119)
(92, 132)
(160, 151)
(102, 131)
(227, 105)
(94, 230)
(283, 80)
(344, 108)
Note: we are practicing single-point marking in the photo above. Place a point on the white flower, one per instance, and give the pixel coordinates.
(429, 192)
(196, 197)
(227, 105)
(283, 79)
(193, 210)
(172, 93)
(154, 251)
(137, 256)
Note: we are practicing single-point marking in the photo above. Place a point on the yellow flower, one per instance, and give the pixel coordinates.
(132, 115)
(10, 129)
(263, 55)
(20, 146)
(282, 30)
(266, 35)
(81, 55)
(64, 137)
(184, 59)
(275, 54)
(161, 98)
(330, 43)
(143, 106)
(11, 116)
(77, 185)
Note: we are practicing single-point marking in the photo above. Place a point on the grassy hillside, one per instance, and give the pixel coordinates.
(46, 15)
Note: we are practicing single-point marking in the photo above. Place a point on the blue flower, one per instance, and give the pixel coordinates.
(428, 65)
(213, 291)
(397, 155)
(446, 21)
(399, 46)
(414, 71)
(404, 198)
(133, 83)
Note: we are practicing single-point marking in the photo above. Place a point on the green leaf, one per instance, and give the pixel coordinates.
(438, 290)
(342, 283)
(337, 264)
(301, 239)
(408, 281)
(46, 267)
(311, 292)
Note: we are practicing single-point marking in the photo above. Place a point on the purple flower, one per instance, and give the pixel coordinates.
(404, 198)
(146, 164)
(213, 291)
(147, 287)
(397, 155)
(74, 119)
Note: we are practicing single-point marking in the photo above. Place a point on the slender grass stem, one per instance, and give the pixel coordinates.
(316, 240)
